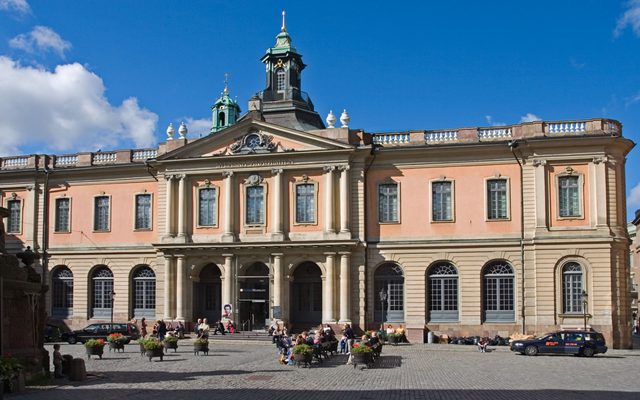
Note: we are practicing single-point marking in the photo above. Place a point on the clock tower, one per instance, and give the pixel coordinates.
(225, 111)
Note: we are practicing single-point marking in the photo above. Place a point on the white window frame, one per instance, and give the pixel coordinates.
(135, 211)
(453, 201)
(265, 198)
(399, 205)
(284, 79)
(6, 226)
(580, 176)
(486, 198)
(216, 211)
(560, 293)
(93, 221)
(295, 202)
(55, 214)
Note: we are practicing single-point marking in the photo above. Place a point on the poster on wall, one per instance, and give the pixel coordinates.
(227, 311)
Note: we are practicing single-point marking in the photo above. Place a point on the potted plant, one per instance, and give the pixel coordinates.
(361, 354)
(393, 338)
(154, 348)
(95, 347)
(11, 375)
(141, 342)
(302, 354)
(201, 345)
(116, 341)
(171, 342)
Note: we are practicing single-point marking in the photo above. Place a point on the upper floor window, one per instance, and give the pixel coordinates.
(572, 287)
(441, 204)
(207, 207)
(15, 217)
(143, 211)
(101, 213)
(255, 205)
(280, 79)
(497, 199)
(63, 208)
(388, 202)
(305, 203)
(569, 196)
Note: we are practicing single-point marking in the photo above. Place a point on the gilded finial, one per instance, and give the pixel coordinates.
(284, 27)
(226, 83)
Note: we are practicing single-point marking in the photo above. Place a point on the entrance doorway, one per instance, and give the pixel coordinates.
(306, 295)
(389, 281)
(207, 296)
(253, 299)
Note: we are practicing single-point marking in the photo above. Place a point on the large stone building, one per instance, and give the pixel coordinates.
(487, 230)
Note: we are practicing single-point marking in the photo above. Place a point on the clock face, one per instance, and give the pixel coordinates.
(253, 141)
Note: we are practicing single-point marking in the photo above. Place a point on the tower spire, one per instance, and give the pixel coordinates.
(226, 83)
(284, 26)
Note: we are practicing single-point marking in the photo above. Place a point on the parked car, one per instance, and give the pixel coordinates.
(101, 331)
(52, 333)
(577, 342)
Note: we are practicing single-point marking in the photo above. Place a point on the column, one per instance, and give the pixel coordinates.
(169, 207)
(277, 282)
(345, 283)
(344, 199)
(182, 211)
(599, 191)
(228, 235)
(168, 260)
(541, 194)
(327, 313)
(226, 295)
(328, 202)
(181, 273)
(277, 205)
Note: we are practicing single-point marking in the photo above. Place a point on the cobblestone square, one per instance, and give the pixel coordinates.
(251, 371)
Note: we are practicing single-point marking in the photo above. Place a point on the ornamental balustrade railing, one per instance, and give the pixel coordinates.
(440, 137)
(391, 138)
(104, 158)
(15, 162)
(143, 154)
(494, 133)
(66, 161)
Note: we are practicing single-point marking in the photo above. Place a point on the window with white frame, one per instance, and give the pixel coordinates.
(499, 298)
(305, 203)
(144, 293)
(443, 292)
(62, 292)
(143, 211)
(15, 216)
(496, 199)
(572, 286)
(102, 292)
(441, 201)
(208, 206)
(281, 84)
(388, 202)
(63, 212)
(254, 205)
(569, 196)
(389, 280)
(101, 213)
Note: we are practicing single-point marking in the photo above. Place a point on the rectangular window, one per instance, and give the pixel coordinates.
(208, 207)
(143, 211)
(441, 201)
(569, 196)
(101, 214)
(62, 215)
(497, 199)
(305, 203)
(14, 220)
(255, 205)
(281, 79)
(388, 203)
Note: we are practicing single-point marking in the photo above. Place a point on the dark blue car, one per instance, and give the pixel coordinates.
(580, 343)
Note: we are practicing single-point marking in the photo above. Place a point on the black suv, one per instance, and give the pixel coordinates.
(577, 342)
(101, 331)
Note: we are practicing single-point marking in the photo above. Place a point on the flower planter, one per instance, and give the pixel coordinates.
(143, 351)
(394, 340)
(155, 353)
(115, 346)
(303, 358)
(362, 359)
(14, 384)
(200, 348)
(94, 351)
(171, 345)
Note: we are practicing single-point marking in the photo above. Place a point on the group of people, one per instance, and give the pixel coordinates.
(400, 331)
(162, 329)
(202, 329)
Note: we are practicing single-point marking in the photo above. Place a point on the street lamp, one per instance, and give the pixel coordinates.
(383, 298)
(113, 296)
(584, 308)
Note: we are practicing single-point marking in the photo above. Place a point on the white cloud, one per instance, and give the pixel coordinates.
(632, 100)
(41, 39)
(66, 110)
(198, 127)
(633, 201)
(631, 17)
(20, 7)
(491, 122)
(530, 118)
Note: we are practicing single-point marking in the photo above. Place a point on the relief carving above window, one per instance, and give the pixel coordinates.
(253, 142)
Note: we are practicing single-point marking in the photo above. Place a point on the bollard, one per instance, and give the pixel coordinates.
(78, 371)
(430, 337)
(66, 364)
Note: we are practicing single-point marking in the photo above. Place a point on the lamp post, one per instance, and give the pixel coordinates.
(383, 298)
(113, 296)
(584, 308)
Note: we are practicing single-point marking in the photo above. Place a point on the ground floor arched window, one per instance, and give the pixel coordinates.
(102, 292)
(442, 292)
(62, 292)
(389, 293)
(144, 293)
(572, 288)
(498, 292)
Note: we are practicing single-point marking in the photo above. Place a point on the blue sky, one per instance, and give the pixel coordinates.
(88, 75)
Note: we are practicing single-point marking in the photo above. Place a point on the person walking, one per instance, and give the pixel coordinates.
(162, 330)
(143, 327)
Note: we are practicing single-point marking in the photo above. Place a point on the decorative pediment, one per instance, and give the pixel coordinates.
(253, 142)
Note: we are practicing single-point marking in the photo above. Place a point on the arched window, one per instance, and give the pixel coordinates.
(389, 285)
(280, 79)
(102, 289)
(443, 292)
(572, 288)
(144, 293)
(62, 293)
(498, 291)
(222, 119)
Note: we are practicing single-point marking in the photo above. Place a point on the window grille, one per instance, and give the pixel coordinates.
(443, 292)
(499, 305)
(62, 215)
(569, 196)
(497, 198)
(281, 79)
(207, 212)
(255, 205)
(305, 203)
(62, 292)
(102, 282)
(388, 202)
(13, 222)
(101, 222)
(143, 211)
(144, 293)
(441, 201)
(572, 288)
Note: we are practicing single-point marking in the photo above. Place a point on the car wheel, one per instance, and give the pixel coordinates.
(531, 350)
(72, 340)
(587, 352)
